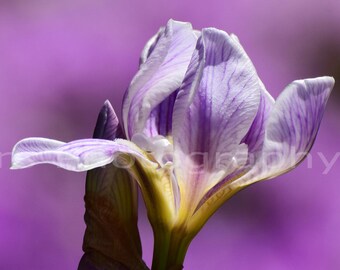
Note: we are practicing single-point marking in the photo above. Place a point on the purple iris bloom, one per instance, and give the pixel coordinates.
(199, 126)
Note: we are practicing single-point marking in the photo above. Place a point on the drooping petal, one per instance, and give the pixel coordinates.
(79, 155)
(290, 131)
(159, 76)
(87, 154)
(111, 239)
(214, 110)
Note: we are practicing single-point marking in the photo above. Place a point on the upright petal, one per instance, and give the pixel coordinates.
(214, 109)
(159, 76)
(111, 238)
(254, 140)
(150, 46)
(255, 136)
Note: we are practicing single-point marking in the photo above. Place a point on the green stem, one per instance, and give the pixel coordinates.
(170, 248)
(160, 252)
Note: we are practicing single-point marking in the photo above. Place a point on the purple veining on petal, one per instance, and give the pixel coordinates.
(254, 140)
(291, 128)
(300, 100)
(159, 76)
(211, 192)
(215, 107)
(150, 46)
(255, 136)
(160, 119)
(79, 155)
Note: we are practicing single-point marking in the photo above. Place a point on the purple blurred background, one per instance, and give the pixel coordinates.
(59, 61)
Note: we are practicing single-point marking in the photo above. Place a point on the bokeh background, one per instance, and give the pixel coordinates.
(59, 61)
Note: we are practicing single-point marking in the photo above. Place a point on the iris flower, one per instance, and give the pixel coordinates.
(198, 126)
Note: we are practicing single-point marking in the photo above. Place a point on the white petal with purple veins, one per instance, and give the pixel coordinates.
(255, 136)
(159, 76)
(291, 128)
(80, 155)
(214, 109)
(150, 45)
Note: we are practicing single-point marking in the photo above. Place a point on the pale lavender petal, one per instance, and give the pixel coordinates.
(80, 155)
(150, 46)
(160, 75)
(255, 136)
(197, 33)
(214, 109)
(254, 140)
(291, 129)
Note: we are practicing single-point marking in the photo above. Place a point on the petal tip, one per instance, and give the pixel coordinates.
(172, 22)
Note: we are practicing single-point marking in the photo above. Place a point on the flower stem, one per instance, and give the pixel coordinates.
(170, 248)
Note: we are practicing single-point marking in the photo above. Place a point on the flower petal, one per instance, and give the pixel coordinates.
(150, 46)
(111, 238)
(160, 120)
(79, 155)
(255, 136)
(292, 127)
(83, 155)
(214, 109)
(254, 141)
(159, 76)
(290, 131)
